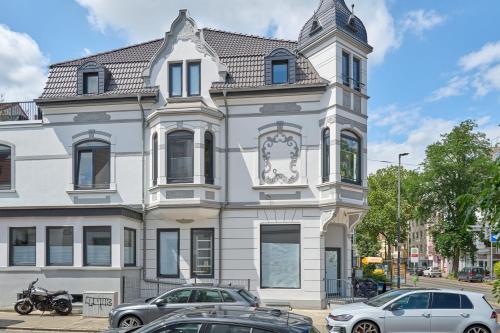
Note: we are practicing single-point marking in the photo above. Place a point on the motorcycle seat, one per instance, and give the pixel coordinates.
(57, 293)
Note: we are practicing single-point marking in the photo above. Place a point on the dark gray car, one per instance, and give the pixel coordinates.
(145, 311)
(227, 319)
(471, 274)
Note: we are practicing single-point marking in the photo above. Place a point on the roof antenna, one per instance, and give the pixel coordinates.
(352, 6)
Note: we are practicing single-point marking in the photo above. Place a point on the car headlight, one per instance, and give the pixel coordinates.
(342, 317)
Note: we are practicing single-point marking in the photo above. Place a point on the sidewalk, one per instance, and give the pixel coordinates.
(49, 322)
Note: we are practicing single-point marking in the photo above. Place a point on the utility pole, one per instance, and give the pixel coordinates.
(399, 219)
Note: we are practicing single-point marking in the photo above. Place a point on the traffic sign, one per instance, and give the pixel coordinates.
(494, 238)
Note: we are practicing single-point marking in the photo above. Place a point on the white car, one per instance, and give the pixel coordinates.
(432, 272)
(416, 310)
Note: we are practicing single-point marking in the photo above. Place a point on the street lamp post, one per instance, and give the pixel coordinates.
(399, 218)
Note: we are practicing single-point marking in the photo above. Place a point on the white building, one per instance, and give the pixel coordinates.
(203, 154)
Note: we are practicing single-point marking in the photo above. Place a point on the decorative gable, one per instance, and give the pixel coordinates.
(280, 54)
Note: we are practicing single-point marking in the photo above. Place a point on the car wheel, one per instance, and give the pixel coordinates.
(366, 327)
(130, 321)
(477, 329)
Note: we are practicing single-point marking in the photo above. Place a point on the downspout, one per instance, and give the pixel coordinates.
(226, 178)
(143, 202)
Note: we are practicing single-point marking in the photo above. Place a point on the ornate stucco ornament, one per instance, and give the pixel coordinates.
(271, 174)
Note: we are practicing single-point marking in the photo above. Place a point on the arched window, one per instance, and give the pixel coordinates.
(5, 168)
(350, 158)
(209, 158)
(154, 159)
(325, 155)
(180, 153)
(92, 165)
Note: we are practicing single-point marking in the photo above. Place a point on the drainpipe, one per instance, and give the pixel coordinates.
(143, 204)
(226, 178)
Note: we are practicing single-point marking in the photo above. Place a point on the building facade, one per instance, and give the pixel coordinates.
(204, 154)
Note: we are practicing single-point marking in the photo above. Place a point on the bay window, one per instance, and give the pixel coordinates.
(92, 165)
(350, 158)
(180, 162)
(129, 247)
(168, 253)
(5, 167)
(280, 256)
(59, 244)
(325, 155)
(209, 158)
(97, 246)
(22, 246)
(356, 74)
(154, 159)
(202, 253)
(346, 64)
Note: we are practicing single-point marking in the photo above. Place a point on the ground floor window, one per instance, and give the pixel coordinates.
(97, 246)
(129, 247)
(168, 252)
(202, 253)
(59, 246)
(22, 247)
(280, 256)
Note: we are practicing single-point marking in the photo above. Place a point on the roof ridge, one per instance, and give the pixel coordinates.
(107, 52)
(251, 35)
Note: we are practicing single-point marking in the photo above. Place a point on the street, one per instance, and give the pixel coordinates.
(482, 288)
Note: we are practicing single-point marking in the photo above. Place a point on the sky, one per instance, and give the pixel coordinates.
(435, 63)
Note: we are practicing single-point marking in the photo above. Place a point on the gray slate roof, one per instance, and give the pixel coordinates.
(332, 14)
(242, 54)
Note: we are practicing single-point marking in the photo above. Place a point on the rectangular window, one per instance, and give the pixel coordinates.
(92, 165)
(445, 301)
(90, 83)
(168, 252)
(202, 253)
(345, 69)
(22, 250)
(194, 78)
(59, 246)
(280, 71)
(129, 247)
(5, 168)
(280, 256)
(97, 246)
(175, 79)
(356, 73)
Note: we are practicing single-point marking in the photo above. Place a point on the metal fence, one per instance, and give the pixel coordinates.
(341, 291)
(133, 288)
(17, 111)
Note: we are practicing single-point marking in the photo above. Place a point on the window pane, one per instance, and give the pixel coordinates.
(180, 328)
(22, 246)
(280, 256)
(101, 167)
(194, 78)
(280, 71)
(85, 168)
(465, 302)
(224, 328)
(180, 153)
(414, 301)
(129, 247)
(90, 83)
(5, 168)
(92, 165)
(202, 249)
(168, 255)
(178, 296)
(209, 158)
(349, 159)
(445, 301)
(97, 246)
(207, 296)
(155, 158)
(227, 296)
(345, 69)
(356, 69)
(60, 246)
(175, 83)
(326, 155)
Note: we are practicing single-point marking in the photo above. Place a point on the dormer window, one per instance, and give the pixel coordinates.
(280, 71)
(280, 67)
(315, 27)
(91, 79)
(90, 83)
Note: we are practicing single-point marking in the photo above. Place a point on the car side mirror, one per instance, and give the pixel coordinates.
(160, 302)
(394, 307)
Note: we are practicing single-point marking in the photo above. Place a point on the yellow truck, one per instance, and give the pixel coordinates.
(378, 262)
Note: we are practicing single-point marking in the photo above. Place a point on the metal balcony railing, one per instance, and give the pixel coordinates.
(19, 111)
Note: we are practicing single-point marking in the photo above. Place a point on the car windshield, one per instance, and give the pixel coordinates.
(386, 297)
(248, 296)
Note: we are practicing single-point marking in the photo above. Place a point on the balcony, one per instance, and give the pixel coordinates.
(19, 111)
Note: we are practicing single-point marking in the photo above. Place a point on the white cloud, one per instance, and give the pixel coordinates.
(397, 119)
(22, 66)
(421, 20)
(86, 51)
(456, 86)
(488, 54)
(141, 20)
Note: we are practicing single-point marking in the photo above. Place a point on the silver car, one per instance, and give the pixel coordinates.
(142, 312)
(416, 310)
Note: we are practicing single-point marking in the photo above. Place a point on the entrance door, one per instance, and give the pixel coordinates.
(332, 272)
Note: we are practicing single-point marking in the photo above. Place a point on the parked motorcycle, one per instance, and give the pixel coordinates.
(43, 300)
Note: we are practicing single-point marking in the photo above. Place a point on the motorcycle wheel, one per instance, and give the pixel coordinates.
(63, 307)
(23, 307)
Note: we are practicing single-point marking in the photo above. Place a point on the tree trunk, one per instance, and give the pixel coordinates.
(456, 260)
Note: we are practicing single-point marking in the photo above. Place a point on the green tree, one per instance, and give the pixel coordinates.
(488, 199)
(381, 219)
(448, 187)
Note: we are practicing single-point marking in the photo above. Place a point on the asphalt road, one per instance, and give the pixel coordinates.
(482, 288)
